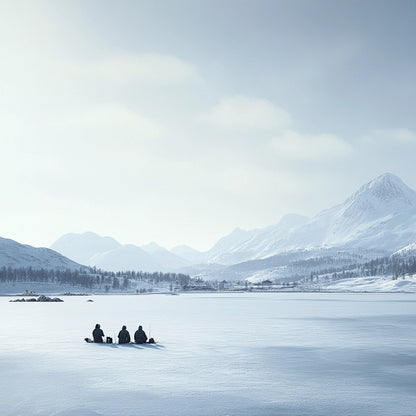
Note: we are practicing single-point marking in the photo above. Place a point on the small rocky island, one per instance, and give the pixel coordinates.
(41, 298)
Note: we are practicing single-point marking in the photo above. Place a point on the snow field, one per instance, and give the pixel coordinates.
(217, 354)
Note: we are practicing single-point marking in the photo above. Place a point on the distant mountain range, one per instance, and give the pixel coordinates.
(377, 220)
(381, 215)
(16, 255)
(108, 254)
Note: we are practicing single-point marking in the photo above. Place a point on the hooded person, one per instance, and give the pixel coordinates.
(140, 336)
(123, 336)
(98, 334)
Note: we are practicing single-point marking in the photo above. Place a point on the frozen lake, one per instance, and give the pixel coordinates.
(217, 354)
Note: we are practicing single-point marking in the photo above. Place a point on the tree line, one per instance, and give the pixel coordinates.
(394, 266)
(92, 278)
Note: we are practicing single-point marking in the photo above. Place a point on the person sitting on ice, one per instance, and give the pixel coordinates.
(140, 336)
(98, 334)
(123, 336)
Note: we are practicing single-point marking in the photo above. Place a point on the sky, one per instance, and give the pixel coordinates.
(178, 121)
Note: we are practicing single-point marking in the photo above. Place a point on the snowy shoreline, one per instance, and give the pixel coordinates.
(378, 284)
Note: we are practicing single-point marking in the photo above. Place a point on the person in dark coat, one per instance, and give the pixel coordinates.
(140, 336)
(98, 334)
(123, 336)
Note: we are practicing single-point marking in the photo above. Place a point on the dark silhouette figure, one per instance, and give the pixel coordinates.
(123, 336)
(140, 336)
(98, 334)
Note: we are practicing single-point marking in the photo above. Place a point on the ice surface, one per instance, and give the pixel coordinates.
(226, 354)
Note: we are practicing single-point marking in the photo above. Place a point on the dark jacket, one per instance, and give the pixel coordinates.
(123, 337)
(140, 337)
(98, 334)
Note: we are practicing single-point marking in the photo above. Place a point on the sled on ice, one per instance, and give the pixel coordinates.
(109, 340)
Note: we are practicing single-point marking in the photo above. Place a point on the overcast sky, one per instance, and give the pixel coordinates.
(177, 121)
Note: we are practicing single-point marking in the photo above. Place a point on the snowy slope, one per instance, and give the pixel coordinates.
(409, 250)
(127, 257)
(369, 284)
(188, 253)
(108, 254)
(230, 249)
(380, 215)
(16, 255)
(164, 257)
(243, 245)
(81, 247)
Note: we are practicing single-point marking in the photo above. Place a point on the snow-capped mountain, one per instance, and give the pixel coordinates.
(377, 220)
(127, 257)
(165, 257)
(81, 247)
(108, 254)
(189, 254)
(243, 245)
(381, 215)
(16, 255)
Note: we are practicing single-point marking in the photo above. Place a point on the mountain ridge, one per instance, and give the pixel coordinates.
(379, 217)
(17, 255)
(380, 214)
(108, 254)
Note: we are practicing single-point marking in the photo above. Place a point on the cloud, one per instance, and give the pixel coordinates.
(310, 147)
(245, 113)
(145, 68)
(110, 119)
(46, 40)
(399, 136)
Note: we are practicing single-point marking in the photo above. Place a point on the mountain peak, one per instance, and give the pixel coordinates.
(387, 186)
(385, 194)
(152, 247)
(80, 247)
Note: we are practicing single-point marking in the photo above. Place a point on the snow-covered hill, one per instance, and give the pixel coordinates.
(127, 257)
(191, 255)
(165, 257)
(366, 284)
(16, 255)
(407, 251)
(108, 254)
(81, 247)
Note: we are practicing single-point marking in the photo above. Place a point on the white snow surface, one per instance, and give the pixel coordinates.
(217, 354)
(369, 284)
(409, 250)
